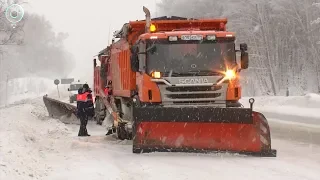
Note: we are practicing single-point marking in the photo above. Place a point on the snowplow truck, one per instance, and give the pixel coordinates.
(175, 87)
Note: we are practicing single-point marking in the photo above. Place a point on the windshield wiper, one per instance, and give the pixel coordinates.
(152, 48)
(204, 73)
(172, 74)
(191, 73)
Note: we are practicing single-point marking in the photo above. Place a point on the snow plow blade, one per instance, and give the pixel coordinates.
(201, 129)
(65, 112)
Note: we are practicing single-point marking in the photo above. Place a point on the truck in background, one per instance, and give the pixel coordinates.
(73, 91)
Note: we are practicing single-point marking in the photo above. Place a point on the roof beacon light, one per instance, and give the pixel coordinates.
(153, 28)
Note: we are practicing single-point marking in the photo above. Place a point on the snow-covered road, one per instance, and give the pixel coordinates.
(33, 146)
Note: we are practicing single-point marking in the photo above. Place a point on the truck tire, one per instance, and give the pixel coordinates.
(121, 132)
(136, 150)
(100, 113)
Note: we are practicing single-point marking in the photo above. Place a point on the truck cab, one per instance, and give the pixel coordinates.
(194, 66)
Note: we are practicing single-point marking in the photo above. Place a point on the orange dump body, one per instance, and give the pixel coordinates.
(96, 81)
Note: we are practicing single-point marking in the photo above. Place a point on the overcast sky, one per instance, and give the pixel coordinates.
(88, 22)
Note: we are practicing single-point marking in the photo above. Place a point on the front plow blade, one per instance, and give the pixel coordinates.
(204, 129)
(65, 112)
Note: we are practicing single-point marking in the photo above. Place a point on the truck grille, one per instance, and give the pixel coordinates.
(192, 94)
(192, 89)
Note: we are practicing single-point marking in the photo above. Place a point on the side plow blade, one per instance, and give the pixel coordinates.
(204, 129)
(65, 112)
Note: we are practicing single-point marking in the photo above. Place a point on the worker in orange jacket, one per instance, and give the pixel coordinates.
(85, 108)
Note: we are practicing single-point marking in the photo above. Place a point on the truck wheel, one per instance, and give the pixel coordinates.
(136, 150)
(122, 132)
(99, 121)
(98, 118)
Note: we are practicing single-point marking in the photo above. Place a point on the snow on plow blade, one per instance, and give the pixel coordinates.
(205, 129)
(65, 112)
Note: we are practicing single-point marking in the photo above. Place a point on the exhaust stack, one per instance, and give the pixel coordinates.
(148, 19)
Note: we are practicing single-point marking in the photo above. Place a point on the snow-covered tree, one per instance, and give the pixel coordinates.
(43, 51)
(283, 38)
(8, 34)
(31, 47)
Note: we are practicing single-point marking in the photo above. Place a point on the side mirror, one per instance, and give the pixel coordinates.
(134, 59)
(68, 89)
(94, 63)
(244, 60)
(107, 67)
(243, 47)
(133, 49)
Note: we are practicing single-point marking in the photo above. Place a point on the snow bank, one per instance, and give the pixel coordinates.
(303, 109)
(20, 89)
(27, 139)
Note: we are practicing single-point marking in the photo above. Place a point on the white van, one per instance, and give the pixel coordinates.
(73, 91)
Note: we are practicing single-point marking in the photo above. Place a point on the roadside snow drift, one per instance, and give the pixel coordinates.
(302, 109)
(20, 89)
(28, 139)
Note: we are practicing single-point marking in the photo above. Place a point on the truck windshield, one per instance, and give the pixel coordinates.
(74, 87)
(189, 57)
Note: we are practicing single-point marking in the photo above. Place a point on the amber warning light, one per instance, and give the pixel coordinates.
(153, 28)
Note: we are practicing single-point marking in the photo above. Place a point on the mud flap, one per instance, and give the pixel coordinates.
(65, 112)
(201, 129)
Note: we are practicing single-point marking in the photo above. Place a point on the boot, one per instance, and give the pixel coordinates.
(109, 132)
(81, 134)
(82, 131)
(86, 132)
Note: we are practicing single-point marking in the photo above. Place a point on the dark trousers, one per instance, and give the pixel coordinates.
(83, 126)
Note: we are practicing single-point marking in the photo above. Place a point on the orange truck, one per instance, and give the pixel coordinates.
(175, 87)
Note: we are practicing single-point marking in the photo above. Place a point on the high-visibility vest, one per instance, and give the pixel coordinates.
(106, 91)
(83, 97)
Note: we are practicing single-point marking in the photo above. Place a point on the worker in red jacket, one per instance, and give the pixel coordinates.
(108, 90)
(85, 108)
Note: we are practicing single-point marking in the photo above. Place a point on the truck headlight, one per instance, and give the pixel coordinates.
(230, 74)
(156, 74)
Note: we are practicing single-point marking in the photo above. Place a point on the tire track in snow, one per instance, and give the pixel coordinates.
(294, 131)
